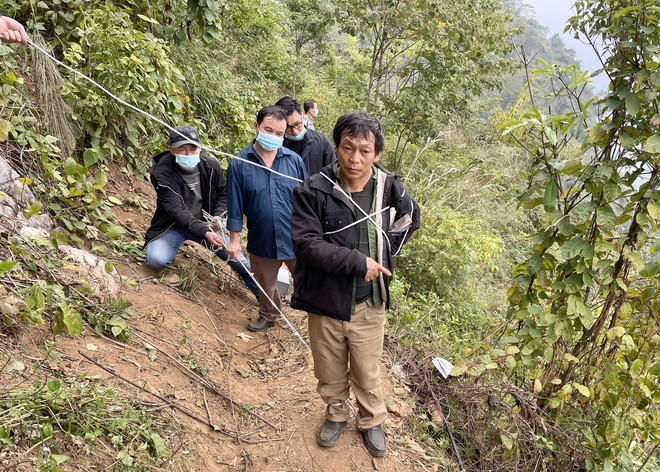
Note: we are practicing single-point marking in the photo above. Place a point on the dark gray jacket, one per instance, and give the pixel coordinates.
(171, 209)
(328, 261)
(317, 151)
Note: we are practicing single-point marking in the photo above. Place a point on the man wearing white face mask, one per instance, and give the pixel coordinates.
(187, 184)
(266, 199)
(315, 148)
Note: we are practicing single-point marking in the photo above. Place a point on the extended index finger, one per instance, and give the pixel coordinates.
(384, 270)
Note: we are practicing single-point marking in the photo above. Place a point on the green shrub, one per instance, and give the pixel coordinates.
(448, 252)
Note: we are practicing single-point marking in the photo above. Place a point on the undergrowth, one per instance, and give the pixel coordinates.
(56, 421)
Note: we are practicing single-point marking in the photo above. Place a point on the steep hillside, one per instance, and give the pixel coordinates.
(193, 351)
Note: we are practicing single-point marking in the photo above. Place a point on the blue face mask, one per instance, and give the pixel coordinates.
(269, 142)
(298, 137)
(187, 162)
(316, 112)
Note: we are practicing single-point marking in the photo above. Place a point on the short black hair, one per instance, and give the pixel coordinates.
(289, 105)
(271, 111)
(360, 124)
(309, 104)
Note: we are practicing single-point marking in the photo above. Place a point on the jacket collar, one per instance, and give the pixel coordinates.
(255, 155)
(327, 181)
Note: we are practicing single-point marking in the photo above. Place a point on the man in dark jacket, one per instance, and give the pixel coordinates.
(315, 148)
(348, 221)
(187, 185)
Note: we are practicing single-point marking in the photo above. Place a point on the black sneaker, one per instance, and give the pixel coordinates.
(330, 433)
(374, 440)
(261, 324)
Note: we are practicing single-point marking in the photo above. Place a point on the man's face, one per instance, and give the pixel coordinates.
(272, 126)
(294, 124)
(356, 156)
(185, 150)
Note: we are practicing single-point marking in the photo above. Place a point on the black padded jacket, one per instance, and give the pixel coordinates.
(327, 259)
(170, 206)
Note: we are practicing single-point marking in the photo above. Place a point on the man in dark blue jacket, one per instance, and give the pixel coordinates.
(187, 185)
(348, 222)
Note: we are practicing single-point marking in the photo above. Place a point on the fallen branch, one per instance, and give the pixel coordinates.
(206, 383)
(176, 406)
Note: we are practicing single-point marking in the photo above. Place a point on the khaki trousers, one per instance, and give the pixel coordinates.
(265, 271)
(346, 354)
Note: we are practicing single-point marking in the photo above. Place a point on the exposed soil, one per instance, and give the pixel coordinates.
(195, 351)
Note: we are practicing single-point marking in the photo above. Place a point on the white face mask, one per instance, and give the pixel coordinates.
(187, 162)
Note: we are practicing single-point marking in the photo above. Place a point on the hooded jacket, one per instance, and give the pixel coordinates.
(317, 151)
(326, 245)
(170, 205)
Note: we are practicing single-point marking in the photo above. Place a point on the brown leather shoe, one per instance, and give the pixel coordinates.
(330, 433)
(374, 440)
(261, 324)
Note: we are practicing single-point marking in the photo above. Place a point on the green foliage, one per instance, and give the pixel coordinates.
(45, 298)
(112, 319)
(450, 249)
(428, 59)
(257, 48)
(104, 42)
(225, 107)
(585, 292)
(187, 342)
(584, 331)
(310, 23)
(442, 305)
(533, 44)
(59, 408)
(433, 322)
(189, 281)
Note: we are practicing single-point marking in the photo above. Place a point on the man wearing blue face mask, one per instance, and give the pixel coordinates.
(315, 148)
(188, 184)
(311, 112)
(265, 198)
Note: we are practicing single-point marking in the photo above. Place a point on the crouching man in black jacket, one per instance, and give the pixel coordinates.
(187, 184)
(348, 222)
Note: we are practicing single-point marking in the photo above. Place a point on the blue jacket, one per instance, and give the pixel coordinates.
(266, 199)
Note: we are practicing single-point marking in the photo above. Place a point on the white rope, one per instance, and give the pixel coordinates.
(222, 231)
(368, 217)
(148, 115)
(211, 150)
(337, 186)
(221, 153)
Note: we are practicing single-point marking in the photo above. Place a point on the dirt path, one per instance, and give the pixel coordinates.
(188, 348)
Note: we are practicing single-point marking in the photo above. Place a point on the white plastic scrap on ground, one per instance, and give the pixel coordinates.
(443, 366)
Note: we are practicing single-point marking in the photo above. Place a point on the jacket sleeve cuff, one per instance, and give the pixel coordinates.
(234, 225)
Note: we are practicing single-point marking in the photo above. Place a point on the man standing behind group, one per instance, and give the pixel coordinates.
(344, 267)
(311, 112)
(314, 148)
(265, 198)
